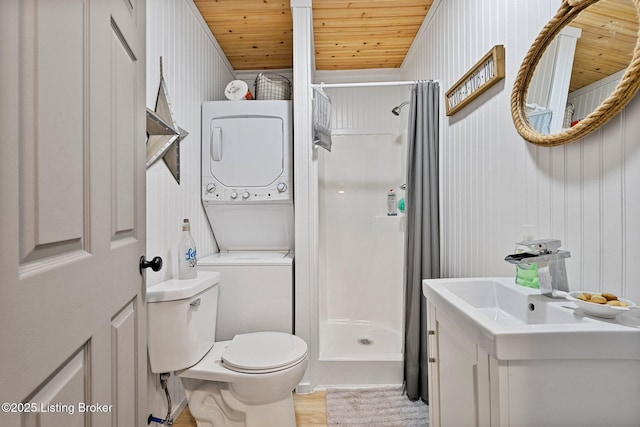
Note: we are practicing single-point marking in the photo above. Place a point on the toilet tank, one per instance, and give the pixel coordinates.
(181, 323)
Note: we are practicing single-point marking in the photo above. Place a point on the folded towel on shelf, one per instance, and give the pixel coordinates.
(321, 119)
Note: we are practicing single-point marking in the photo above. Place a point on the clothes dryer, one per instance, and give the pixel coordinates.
(247, 174)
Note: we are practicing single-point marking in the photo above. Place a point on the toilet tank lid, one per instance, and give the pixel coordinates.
(175, 289)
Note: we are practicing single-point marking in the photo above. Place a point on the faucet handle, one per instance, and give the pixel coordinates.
(542, 246)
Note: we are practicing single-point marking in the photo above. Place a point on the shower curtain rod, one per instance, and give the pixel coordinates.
(367, 84)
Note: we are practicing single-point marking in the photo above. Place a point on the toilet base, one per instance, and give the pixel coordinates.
(213, 404)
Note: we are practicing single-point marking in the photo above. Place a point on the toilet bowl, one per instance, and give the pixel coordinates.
(246, 381)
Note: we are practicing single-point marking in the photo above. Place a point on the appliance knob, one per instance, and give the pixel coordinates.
(281, 187)
(245, 195)
(211, 188)
(234, 195)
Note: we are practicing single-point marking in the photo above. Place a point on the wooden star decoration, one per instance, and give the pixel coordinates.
(164, 134)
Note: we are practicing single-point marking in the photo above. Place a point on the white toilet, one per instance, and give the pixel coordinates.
(247, 381)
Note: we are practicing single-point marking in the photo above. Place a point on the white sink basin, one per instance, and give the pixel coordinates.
(512, 322)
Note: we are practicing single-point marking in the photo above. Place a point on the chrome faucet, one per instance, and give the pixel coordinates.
(552, 272)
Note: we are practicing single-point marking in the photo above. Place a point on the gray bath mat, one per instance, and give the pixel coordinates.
(374, 407)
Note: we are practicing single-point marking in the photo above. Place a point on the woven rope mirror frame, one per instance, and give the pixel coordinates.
(617, 100)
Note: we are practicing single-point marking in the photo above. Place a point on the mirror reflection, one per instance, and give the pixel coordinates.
(582, 65)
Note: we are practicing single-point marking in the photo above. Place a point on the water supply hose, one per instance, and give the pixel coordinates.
(168, 421)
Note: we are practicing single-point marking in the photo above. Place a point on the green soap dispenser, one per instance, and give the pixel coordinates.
(527, 274)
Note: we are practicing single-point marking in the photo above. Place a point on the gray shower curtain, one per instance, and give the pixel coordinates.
(422, 241)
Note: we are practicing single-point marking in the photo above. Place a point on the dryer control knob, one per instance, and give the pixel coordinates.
(234, 195)
(281, 187)
(245, 195)
(211, 188)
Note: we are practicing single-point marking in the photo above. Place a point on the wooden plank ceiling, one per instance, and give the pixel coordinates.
(609, 33)
(362, 34)
(254, 34)
(352, 34)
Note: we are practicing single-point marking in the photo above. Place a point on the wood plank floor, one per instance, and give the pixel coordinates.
(311, 411)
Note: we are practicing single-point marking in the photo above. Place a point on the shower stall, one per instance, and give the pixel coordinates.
(361, 259)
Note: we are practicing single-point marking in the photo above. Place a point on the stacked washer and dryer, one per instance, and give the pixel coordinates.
(248, 197)
(242, 374)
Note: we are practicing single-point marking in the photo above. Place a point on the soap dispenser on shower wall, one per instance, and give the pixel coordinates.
(392, 205)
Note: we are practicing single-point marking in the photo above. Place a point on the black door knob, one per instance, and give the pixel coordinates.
(155, 264)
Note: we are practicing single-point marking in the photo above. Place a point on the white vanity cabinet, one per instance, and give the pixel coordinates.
(505, 357)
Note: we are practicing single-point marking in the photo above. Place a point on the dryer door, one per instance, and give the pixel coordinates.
(247, 151)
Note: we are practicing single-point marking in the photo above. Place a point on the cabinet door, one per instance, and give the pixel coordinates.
(433, 355)
(462, 397)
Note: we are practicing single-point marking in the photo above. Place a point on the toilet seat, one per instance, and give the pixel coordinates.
(263, 352)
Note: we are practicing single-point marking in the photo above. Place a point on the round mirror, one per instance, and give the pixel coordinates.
(581, 70)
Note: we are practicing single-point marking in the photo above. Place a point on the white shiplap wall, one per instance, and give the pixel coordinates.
(194, 71)
(588, 98)
(367, 110)
(492, 181)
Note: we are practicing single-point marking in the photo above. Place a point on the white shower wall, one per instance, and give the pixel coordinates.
(360, 247)
(195, 70)
(492, 181)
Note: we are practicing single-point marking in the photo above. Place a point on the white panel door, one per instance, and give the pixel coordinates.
(72, 331)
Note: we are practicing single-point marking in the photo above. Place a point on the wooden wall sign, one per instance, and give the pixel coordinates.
(487, 72)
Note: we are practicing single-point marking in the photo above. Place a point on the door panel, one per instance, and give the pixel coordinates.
(124, 131)
(52, 106)
(127, 152)
(62, 401)
(72, 318)
(123, 342)
(251, 150)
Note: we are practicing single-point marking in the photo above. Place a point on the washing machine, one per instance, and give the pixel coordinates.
(248, 198)
(256, 291)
